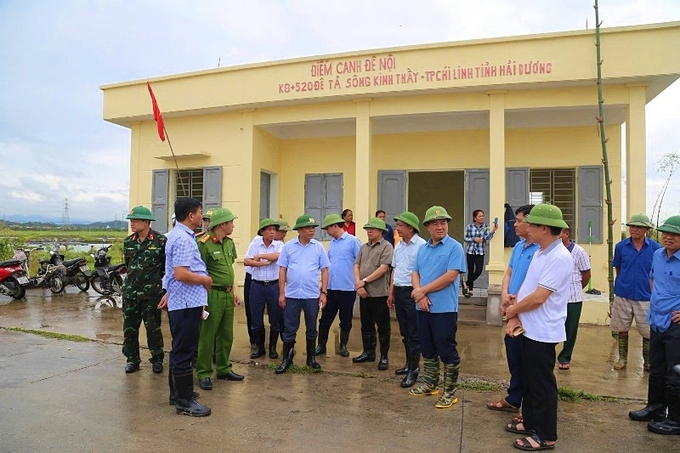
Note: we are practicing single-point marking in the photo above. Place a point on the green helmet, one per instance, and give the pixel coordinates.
(283, 225)
(305, 220)
(264, 223)
(410, 219)
(378, 224)
(208, 213)
(219, 216)
(546, 214)
(639, 220)
(332, 219)
(671, 225)
(140, 213)
(436, 213)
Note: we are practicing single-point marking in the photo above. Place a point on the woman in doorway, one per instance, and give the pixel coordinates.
(477, 234)
(349, 226)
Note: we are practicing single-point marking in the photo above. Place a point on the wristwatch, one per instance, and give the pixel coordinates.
(364, 280)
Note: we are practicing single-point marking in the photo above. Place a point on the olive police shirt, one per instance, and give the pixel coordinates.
(219, 258)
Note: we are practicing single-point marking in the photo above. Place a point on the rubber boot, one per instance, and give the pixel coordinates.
(448, 397)
(645, 354)
(368, 355)
(323, 339)
(430, 379)
(656, 402)
(671, 424)
(623, 353)
(172, 400)
(186, 404)
(311, 360)
(405, 368)
(384, 349)
(259, 343)
(413, 369)
(273, 340)
(344, 339)
(288, 354)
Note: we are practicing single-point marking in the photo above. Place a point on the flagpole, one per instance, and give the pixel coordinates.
(174, 158)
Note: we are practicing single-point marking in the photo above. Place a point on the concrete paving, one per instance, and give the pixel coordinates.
(58, 395)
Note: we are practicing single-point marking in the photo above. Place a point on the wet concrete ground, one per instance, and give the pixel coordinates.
(58, 395)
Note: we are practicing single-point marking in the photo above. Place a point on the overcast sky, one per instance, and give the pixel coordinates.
(55, 54)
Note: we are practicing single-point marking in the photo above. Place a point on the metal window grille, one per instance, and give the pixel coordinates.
(555, 186)
(189, 183)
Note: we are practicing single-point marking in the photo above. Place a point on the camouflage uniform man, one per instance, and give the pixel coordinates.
(217, 330)
(144, 254)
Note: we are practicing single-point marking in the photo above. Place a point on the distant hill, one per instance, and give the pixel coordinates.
(113, 224)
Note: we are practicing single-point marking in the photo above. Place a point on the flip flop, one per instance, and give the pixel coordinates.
(564, 366)
(502, 406)
(524, 444)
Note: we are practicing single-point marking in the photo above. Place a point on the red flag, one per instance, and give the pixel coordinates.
(157, 114)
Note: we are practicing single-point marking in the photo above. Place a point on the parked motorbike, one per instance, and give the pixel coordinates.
(107, 278)
(12, 279)
(49, 274)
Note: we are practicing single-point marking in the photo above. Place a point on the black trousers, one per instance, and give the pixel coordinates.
(246, 304)
(664, 354)
(184, 327)
(540, 399)
(407, 316)
(338, 301)
(475, 266)
(374, 310)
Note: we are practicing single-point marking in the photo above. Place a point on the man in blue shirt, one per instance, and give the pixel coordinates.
(435, 281)
(664, 343)
(399, 298)
(300, 263)
(187, 282)
(632, 262)
(522, 253)
(342, 252)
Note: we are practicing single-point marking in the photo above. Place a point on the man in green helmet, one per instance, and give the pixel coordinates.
(541, 309)
(632, 262)
(144, 254)
(217, 328)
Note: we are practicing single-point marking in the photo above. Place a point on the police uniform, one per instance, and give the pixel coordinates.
(142, 290)
(217, 331)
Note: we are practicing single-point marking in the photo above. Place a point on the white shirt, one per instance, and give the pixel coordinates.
(404, 259)
(257, 247)
(550, 269)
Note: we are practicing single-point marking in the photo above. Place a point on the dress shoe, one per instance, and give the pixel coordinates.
(131, 367)
(205, 383)
(157, 367)
(231, 376)
(668, 426)
(656, 412)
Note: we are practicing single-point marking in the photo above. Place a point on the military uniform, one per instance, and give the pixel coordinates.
(218, 329)
(142, 290)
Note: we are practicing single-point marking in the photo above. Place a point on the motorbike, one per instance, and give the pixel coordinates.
(13, 280)
(107, 278)
(49, 274)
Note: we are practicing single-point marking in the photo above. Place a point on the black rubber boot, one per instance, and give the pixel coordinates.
(405, 368)
(288, 354)
(384, 349)
(311, 360)
(344, 339)
(368, 355)
(671, 424)
(186, 403)
(259, 343)
(323, 339)
(413, 370)
(273, 340)
(656, 402)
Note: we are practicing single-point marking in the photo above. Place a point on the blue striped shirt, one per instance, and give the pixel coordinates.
(404, 259)
(181, 251)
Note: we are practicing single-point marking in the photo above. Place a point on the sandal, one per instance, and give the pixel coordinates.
(564, 366)
(518, 418)
(515, 428)
(525, 444)
(502, 405)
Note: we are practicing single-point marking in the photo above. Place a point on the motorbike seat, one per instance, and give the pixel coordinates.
(70, 263)
(115, 267)
(9, 263)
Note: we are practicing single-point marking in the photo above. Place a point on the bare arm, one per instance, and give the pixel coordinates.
(390, 293)
(184, 275)
(585, 278)
(282, 287)
(440, 282)
(531, 302)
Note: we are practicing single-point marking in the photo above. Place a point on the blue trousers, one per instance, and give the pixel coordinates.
(184, 327)
(338, 301)
(291, 315)
(261, 295)
(437, 335)
(513, 350)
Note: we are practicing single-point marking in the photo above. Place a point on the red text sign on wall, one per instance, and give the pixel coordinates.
(382, 70)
